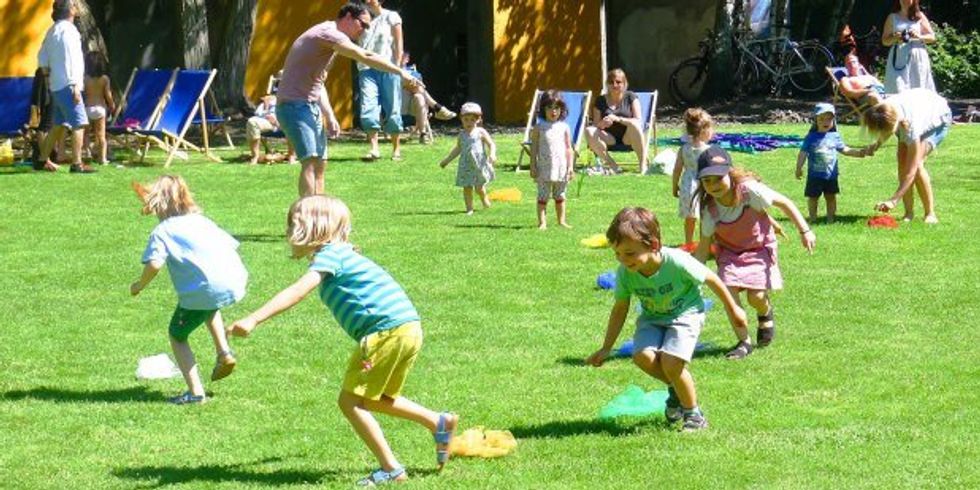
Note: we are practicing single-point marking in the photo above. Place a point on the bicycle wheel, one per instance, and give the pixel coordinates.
(687, 81)
(748, 80)
(806, 72)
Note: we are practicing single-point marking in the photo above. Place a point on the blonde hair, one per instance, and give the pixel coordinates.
(617, 72)
(167, 197)
(314, 221)
(637, 224)
(881, 120)
(697, 121)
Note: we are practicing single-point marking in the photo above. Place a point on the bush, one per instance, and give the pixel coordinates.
(956, 62)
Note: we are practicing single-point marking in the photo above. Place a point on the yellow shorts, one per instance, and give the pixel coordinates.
(382, 360)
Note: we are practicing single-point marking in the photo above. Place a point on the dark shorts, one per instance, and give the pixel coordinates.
(618, 131)
(816, 187)
(186, 321)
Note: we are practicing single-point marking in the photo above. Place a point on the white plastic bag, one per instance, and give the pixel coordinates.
(663, 163)
(159, 366)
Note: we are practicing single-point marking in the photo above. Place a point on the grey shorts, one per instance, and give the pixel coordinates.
(678, 338)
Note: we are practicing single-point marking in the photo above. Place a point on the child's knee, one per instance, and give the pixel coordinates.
(672, 366)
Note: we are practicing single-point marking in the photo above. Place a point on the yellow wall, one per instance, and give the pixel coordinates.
(277, 24)
(24, 25)
(543, 44)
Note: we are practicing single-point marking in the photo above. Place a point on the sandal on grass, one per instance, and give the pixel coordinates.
(188, 398)
(765, 335)
(741, 350)
(445, 431)
(380, 477)
(223, 365)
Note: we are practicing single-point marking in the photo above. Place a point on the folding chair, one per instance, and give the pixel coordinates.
(141, 101)
(214, 118)
(15, 106)
(578, 107)
(186, 98)
(648, 114)
(836, 73)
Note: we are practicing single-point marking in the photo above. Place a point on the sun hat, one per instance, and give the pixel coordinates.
(470, 108)
(714, 161)
(823, 108)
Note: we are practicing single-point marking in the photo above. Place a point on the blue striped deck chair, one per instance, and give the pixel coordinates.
(15, 106)
(578, 108)
(648, 113)
(141, 101)
(186, 98)
(214, 119)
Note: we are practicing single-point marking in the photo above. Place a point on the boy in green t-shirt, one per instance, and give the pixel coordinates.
(667, 283)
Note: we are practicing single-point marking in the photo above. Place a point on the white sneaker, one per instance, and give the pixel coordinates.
(445, 114)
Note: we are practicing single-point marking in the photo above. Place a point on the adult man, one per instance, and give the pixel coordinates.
(302, 80)
(61, 57)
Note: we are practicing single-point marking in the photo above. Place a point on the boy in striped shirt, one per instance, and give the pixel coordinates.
(375, 311)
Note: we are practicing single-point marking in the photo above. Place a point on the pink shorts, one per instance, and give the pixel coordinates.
(753, 269)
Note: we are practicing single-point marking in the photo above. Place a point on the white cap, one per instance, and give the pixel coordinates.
(470, 108)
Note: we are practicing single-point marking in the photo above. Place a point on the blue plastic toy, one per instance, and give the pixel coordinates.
(606, 280)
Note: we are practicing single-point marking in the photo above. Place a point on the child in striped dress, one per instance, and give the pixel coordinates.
(375, 311)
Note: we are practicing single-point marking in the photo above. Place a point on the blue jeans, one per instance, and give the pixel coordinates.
(379, 86)
(301, 122)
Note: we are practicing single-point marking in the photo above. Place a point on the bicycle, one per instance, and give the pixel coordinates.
(760, 63)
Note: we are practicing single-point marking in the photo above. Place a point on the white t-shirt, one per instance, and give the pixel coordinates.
(61, 54)
(757, 195)
(379, 38)
(924, 109)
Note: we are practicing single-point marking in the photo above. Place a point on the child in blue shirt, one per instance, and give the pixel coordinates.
(374, 311)
(667, 282)
(819, 151)
(205, 270)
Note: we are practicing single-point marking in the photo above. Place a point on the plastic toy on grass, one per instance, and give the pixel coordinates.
(882, 221)
(510, 194)
(595, 241)
(159, 366)
(634, 402)
(481, 443)
(606, 280)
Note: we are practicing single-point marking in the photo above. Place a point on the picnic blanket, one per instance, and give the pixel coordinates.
(749, 142)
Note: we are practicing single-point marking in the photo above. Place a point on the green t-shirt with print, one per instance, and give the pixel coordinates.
(672, 291)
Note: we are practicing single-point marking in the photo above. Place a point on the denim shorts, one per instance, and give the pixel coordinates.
(678, 338)
(301, 122)
(64, 110)
(379, 91)
(935, 136)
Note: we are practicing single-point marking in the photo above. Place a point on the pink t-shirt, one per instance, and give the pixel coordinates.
(303, 73)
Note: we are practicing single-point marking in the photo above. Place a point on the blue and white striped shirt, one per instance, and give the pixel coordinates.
(362, 296)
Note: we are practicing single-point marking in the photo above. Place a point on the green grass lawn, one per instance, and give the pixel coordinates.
(872, 382)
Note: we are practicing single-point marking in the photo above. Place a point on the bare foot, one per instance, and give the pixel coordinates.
(542, 226)
(469, 212)
(908, 217)
(931, 219)
(831, 219)
(565, 225)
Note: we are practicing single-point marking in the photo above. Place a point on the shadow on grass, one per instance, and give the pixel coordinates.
(842, 219)
(261, 238)
(173, 475)
(569, 428)
(580, 361)
(428, 213)
(495, 226)
(128, 395)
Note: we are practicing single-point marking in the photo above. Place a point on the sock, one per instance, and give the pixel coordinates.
(692, 411)
(437, 107)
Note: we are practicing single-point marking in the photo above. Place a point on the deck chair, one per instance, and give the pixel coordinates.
(186, 98)
(141, 101)
(15, 106)
(648, 113)
(214, 119)
(836, 73)
(578, 107)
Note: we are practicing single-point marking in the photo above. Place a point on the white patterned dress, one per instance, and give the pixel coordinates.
(552, 160)
(908, 64)
(689, 179)
(474, 168)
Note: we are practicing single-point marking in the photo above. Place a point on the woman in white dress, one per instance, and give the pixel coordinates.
(906, 32)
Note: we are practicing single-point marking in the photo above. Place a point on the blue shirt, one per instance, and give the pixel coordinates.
(362, 296)
(671, 292)
(203, 261)
(821, 153)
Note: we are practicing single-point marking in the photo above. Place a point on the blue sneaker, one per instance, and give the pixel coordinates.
(187, 398)
(694, 422)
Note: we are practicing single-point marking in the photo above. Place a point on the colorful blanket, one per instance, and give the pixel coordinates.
(749, 142)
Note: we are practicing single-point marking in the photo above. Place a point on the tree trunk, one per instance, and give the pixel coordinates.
(722, 63)
(229, 86)
(92, 40)
(194, 34)
(840, 16)
(780, 17)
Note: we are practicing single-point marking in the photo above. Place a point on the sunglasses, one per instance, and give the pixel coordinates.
(364, 25)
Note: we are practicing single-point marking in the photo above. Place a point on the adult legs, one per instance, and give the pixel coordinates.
(370, 109)
(57, 133)
(923, 185)
(635, 138)
(599, 142)
(390, 95)
(908, 200)
(311, 176)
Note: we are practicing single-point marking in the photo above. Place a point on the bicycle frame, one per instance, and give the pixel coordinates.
(782, 46)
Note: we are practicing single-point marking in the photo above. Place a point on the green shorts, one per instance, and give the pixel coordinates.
(186, 321)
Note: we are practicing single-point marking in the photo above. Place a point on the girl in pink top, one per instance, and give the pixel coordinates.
(734, 216)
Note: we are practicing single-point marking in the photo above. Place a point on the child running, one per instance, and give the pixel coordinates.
(733, 215)
(206, 272)
(375, 311)
(552, 156)
(476, 153)
(99, 105)
(819, 151)
(700, 128)
(667, 283)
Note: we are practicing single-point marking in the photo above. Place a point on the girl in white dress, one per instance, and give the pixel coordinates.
(552, 157)
(476, 153)
(700, 129)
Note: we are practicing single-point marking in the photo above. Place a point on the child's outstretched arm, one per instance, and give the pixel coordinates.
(736, 315)
(491, 147)
(807, 237)
(278, 304)
(855, 152)
(150, 271)
(616, 319)
(800, 160)
(704, 248)
(675, 176)
(451, 156)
